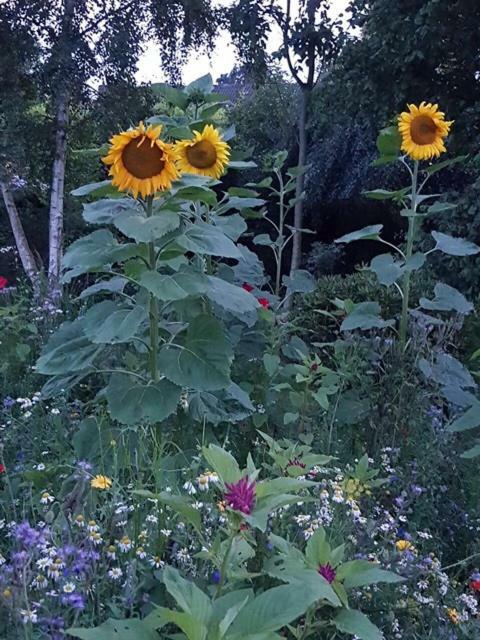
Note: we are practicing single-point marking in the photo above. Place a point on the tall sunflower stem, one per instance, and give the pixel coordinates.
(153, 303)
(412, 219)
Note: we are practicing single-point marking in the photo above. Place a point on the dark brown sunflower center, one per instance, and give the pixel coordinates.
(202, 155)
(423, 130)
(143, 161)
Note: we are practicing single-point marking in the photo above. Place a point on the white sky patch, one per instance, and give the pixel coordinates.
(221, 60)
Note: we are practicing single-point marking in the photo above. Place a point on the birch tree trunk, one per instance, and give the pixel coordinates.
(27, 258)
(66, 45)
(55, 235)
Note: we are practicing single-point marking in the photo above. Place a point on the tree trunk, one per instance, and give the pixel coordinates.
(66, 44)
(55, 235)
(26, 256)
(302, 153)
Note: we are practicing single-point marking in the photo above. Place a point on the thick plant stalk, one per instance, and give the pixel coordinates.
(299, 187)
(408, 254)
(153, 305)
(26, 255)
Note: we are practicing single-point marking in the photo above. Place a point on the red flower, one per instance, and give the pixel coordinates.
(247, 287)
(475, 585)
(3, 282)
(2, 468)
(241, 495)
(264, 302)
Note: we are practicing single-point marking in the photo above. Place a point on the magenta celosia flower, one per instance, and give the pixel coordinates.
(241, 495)
(327, 572)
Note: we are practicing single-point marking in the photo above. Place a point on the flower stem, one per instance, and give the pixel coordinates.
(408, 253)
(153, 304)
(223, 569)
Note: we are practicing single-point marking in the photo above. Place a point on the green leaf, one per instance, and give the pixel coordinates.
(263, 239)
(386, 269)
(93, 252)
(114, 285)
(187, 595)
(270, 611)
(191, 627)
(176, 97)
(446, 163)
(222, 462)
(98, 189)
(225, 405)
(357, 624)
(318, 550)
(367, 233)
(143, 229)
(206, 239)
(358, 573)
(231, 297)
(454, 246)
(107, 323)
(241, 164)
(439, 207)
(447, 298)
(473, 452)
(132, 401)
(232, 226)
(281, 485)
(197, 194)
(389, 141)
(384, 194)
(204, 84)
(415, 262)
(305, 579)
(365, 315)
(67, 351)
(240, 203)
(131, 629)
(300, 281)
(468, 420)
(176, 286)
(202, 360)
(105, 211)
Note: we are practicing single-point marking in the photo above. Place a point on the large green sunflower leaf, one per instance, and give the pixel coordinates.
(202, 360)
(133, 401)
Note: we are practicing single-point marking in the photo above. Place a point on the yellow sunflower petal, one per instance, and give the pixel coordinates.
(423, 129)
(206, 153)
(140, 162)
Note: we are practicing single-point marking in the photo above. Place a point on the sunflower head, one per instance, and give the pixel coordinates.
(140, 162)
(206, 154)
(423, 130)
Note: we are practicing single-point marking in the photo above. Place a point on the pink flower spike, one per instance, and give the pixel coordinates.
(327, 572)
(240, 495)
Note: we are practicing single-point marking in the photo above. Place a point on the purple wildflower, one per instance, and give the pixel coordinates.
(27, 535)
(327, 572)
(8, 402)
(241, 495)
(74, 600)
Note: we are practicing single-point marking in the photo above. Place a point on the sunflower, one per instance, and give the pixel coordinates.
(140, 162)
(423, 130)
(206, 154)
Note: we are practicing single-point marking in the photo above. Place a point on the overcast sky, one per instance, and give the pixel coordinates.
(221, 60)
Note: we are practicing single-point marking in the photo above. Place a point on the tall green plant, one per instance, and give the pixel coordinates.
(167, 313)
(397, 268)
